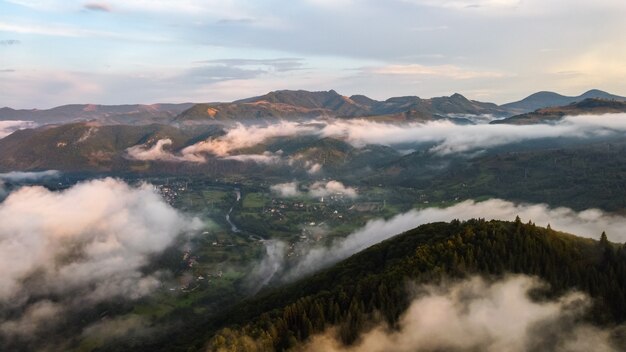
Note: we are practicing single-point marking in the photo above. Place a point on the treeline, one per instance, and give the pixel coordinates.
(372, 285)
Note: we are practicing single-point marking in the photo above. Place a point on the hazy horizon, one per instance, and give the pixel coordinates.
(260, 94)
(125, 52)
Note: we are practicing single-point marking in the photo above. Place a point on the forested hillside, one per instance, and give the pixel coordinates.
(372, 285)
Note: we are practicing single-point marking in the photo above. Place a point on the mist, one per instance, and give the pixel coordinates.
(19, 176)
(83, 245)
(8, 127)
(447, 137)
(243, 136)
(478, 315)
(588, 223)
(452, 138)
(318, 189)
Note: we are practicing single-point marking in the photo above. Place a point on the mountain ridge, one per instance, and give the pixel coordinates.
(591, 106)
(307, 104)
(544, 99)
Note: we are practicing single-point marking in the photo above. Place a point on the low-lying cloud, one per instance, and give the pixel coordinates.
(318, 189)
(588, 223)
(452, 138)
(243, 136)
(19, 176)
(447, 137)
(476, 315)
(286, 190)
(155, 152)
(83, 245)
(8, 127)
(29, 176)
(323, 189)
(264, 158)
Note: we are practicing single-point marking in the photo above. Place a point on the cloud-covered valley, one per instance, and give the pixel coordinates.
(61, 251)
(445, 137)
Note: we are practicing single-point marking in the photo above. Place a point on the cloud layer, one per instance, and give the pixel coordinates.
(589, 223)
(8, 127)
(318, 189)
(475, 315)
(447, 137)
(81, 251)
(29, 176)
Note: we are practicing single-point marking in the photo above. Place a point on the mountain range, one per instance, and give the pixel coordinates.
(304, 104)
(291, 104)
(108, 114)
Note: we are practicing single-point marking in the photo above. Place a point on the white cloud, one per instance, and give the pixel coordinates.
(63, 30)
(18, 176)
(264, 158)
(8, 127)
(271, 264)
(447, 71)
(314, 168)
(83, 251)
(238, 137)
(243, 136)
(286, 190)
(451, 138)
(317, 189)
(468, 4)
(476, 315)
(323, 189)
(30, 320)
(156, 152)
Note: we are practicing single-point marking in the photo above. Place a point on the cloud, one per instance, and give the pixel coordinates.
(271, 264)
(286, 190)
(321, 189)
(261, 65)
(449, 138)
(8, 127)
(264, 158)
(97, 6)
(29, 176)
(9, 42)
(243, 136)
(238, 137)
(447, 71)
(29, 321)
(69, 31)
(314, 168)
(317, 189)
(468, 4)
(588, 223)
(156, 152)
(477, 315)
(66, 245)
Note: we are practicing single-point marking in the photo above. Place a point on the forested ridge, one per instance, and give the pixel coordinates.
(372, 285)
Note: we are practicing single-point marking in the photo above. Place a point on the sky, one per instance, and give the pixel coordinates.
(58, 52)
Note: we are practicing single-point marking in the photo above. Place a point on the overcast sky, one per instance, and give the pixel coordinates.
(146, 51)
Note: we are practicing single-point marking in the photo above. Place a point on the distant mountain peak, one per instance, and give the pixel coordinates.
(594, 91)
(546, 99)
